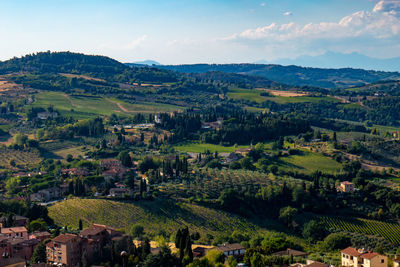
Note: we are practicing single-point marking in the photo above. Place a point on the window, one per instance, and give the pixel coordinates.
(382, 261)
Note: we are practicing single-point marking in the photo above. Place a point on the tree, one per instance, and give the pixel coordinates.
(37, 225)
(336, 241)
(314, 231)
(214, 256)
(125, 159)
(80, 225)
(39, 254)
(287, 215)
(137, 231)
(232, 262)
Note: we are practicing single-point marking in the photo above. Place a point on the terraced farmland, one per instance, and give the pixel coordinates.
(389, 231)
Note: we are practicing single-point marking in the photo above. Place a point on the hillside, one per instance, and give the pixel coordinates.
(295, 75)
(152, 215)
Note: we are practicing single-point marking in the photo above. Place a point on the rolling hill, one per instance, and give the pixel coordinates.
(295, 75)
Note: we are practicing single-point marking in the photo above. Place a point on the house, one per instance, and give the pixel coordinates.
(67, 249)
(17, 221)
(353, 257)
(46, 195)
(15, 232)
(75, 172)
(291, 253)
(217, 125)
(232, 157)
(41, 236)
(64, 250)
(16, 248)
(120, 192)
(157, 119)
(113, 173)
(46, 115)
(111, 164)
(231, 249)
(346, 187)
(396, 262)
(243, 151)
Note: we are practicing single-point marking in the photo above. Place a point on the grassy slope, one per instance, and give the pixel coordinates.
(85, 107)
(153, 216)
(309, 162)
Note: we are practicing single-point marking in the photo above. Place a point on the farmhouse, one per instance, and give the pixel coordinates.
(120, 192)
(46, 194)
(231, 249)
(15, 232)
(46, 115)
(353, 257)
(346, 187)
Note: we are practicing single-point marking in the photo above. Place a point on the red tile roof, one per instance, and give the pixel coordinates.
(64, 238)
(369, 255)
(351, 251)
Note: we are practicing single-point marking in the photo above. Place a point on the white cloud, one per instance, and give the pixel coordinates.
(288, 13)
(390, 6)
(375, 25)
(262, 4)
(375, 32)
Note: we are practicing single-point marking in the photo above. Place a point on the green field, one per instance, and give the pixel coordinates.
(89, 106)
(152, 215)
(308, 162)
(201, 148)
(255, 96)
(389, 231)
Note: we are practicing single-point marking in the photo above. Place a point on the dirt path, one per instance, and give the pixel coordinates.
(71, 102)
(120, 106)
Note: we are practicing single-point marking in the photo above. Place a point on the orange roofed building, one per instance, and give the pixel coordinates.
(64, 250)
(353, 257)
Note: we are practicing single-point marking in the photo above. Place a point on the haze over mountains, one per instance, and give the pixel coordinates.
(339, 60)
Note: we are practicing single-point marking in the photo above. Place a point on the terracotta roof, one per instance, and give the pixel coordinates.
(37, 234)
(346, 182)
(12, 230)
(94, 230)
(230, 247)
(64, 238)
(369, 255)
(316, 264)
(351, 251)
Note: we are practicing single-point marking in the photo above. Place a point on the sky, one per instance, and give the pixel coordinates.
(200, 31)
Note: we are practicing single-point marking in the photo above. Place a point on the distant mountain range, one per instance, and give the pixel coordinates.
(329, 78)
(339, 60)
(145, 62)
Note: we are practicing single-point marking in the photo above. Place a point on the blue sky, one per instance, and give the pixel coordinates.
(193, 31)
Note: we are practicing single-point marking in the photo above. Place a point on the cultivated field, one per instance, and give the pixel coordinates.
(89, 106)
(152, 215)
(255, 96)
(308, 162)
(21, 157)
(389, 231)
